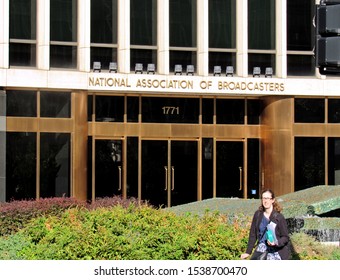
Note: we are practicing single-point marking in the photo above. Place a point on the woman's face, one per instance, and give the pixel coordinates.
(267, 200)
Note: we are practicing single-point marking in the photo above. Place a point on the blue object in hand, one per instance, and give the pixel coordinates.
(270, 236)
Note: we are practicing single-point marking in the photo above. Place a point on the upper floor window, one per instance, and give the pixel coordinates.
(63, 33)
(22, 33)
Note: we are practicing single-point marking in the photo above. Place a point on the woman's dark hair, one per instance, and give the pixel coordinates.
(276, 206)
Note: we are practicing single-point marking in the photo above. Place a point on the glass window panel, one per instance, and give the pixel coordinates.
(222, 24)
(253, 172)
(300, 29)
(143, 22)
(207, 167)
(333, 161)
(334, 110)
(183, 23)
(109, 108)
(309, 162)
(104, 18)
(300, 65)
(262, 61)
(182, 57)
(132, 108)
(63, 20)
(22, 54)
(261, 24)
(103, 55)
(55, 104)
(55, 165)
(63, 56)
(21, 103)
(89, 107)
(20, 165)
(207, 111)
(230, 111)
(254, 111)
(170, 110)
(132, 167)
(222, 59)
(144, 57)
(309, 110)
(22, 19)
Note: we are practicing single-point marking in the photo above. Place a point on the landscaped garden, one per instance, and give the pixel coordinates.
(118, 229)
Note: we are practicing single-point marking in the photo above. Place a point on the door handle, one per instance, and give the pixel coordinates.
(166, 177)
(240, 168)
(120, 178)
(172, 178)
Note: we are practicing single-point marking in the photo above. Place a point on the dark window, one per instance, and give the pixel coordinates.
(230, 111)
(104, 18)
(253, 168)
(144, 57)
(261, 24)
(170, 110)
(182, 23)
(309, 110)
(222, 24)
(222, 59)
(253, 111)
(132, 109)
(109, 108)
(54, 165)
(143, 22)
(333, 161)
(300, 65)
(207, 111)
(63, 56)
(334, 110)
(262, 61)
(55, 104)
(183, 58)
(21, 103)
(22, 19)
(21, 165)
(309, 162)
(103, 55)
(21, 54)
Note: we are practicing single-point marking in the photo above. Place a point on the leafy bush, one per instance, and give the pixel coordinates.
(133, 233)
(16, 214)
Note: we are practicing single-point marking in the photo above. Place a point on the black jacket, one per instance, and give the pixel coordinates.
(281, 232)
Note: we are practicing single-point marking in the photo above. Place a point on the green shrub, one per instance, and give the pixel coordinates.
(11, 245)
(133, 233)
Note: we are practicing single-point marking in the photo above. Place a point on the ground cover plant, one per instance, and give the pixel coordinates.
(113, 228)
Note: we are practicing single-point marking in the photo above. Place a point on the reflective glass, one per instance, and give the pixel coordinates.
(21, 165)
(143, 20)
(300, 29)
(222, 24)
(333, 161)
(300, 65)
(253, 111)
(132, 108)
(21, 103)
(63, 22)
(55, 165)
(144, 57)
(262, 61)
(309, 162)
(109, 108)
(230, 111)
(104, 18)
(170, 110)
(63, 56)
(253, 171)
(182, 57)
(103, 55)
(222, 59)
(207, 111)
(183, 23)
(55, 104)
(22, 19)
(22, 54)
(261, 24)
(310, 110)
(334, 110)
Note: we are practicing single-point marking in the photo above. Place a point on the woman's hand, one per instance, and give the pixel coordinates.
(271, 243)
(244, 256)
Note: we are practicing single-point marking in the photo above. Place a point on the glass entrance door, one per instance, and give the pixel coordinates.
(108, 168)
(229, 168)
(169, 172)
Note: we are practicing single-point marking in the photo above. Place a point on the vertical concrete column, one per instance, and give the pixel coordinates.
(79, 145)
(43, 34)
(202, 37)
(4, 34)
(163, 64)
(281, 38)
(242, 38)
(84, 35)
(124, 36)
(2, 146)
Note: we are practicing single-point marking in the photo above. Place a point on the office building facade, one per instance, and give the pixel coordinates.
(170, 101)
